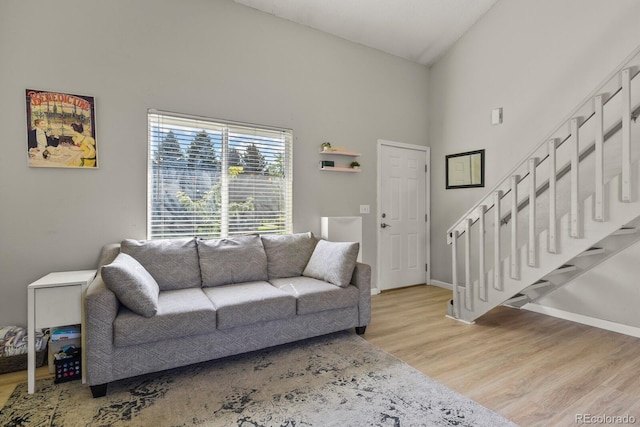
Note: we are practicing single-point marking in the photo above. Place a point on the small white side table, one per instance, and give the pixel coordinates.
(55, 300)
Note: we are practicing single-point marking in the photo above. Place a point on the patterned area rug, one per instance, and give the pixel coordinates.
(335, 380)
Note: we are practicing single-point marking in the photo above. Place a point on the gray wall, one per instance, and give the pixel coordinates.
(205, 57)
(537, 60)
(608, 292)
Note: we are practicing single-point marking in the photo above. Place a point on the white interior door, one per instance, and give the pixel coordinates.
(403, 215)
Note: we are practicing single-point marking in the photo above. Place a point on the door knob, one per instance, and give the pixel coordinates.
(383, 225)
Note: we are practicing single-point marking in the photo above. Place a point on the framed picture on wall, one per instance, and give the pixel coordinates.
(61, 130)
(465, 170)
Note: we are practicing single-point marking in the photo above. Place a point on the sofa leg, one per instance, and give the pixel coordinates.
(99, 390)
(360, 330)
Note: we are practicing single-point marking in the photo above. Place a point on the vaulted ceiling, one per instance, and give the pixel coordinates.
(417, 30)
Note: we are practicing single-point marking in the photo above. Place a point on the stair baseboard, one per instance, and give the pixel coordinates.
(585, 320)
(441, 284)
(562, 314)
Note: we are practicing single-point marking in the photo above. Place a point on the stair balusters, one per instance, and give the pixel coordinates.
(468, 285)
(532, 245)
(482, 286)
(574, 146)
(598, 213)
(515, 258)
(553, 211)
(523, 281)
(454, 272)
(497, 261)
(626, 135)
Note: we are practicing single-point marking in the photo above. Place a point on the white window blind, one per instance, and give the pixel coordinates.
(211, 179)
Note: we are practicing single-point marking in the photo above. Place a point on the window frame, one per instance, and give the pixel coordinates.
(231, 134)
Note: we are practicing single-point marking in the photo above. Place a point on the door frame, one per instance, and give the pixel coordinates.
(427, 207)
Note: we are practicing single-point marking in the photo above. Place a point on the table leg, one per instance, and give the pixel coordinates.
(31, 342)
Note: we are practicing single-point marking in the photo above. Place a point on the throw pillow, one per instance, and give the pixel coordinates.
(288, 254)
(132, 284)
(333, 262)
(232, 260)
(173, 263)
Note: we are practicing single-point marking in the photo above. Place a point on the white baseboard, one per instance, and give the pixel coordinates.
(441, 284)
(585, 320)
(567, 315)
(375, 291)
(459, 320)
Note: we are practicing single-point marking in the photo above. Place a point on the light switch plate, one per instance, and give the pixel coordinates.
(496, 116)
(364, 209)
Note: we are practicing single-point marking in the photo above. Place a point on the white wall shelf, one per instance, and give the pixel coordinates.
(339, 169)
(339, 152)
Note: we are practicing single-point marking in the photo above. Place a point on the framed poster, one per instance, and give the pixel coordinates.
(465, 170)
(61, 130)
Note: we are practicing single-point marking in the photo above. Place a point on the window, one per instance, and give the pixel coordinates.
(213, 179)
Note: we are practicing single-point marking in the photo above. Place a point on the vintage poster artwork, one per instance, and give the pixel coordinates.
(61, 130)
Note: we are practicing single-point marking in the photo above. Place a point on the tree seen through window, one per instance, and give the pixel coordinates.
(217, 180)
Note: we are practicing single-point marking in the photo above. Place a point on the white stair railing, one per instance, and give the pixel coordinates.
(591, 112)
(552, 244)
(497, 263)
(599, 154)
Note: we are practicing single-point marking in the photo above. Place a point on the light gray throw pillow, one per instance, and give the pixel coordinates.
(288, 254)
(333, 262)
(132, 284)
(232, 260)
(173, 263)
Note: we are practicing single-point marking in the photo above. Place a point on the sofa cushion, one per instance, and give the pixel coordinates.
(232, 260)
(313, 295)
(132, 284)
(172, 262)
(181, 313)
(246, 303)
(333, 262)
(287, 254)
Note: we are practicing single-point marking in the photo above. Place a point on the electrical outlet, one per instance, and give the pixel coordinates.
(364, 209)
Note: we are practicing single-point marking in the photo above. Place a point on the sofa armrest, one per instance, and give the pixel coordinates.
(362, 280)
(101, 308)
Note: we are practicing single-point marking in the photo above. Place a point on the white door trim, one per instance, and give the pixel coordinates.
(427, 151)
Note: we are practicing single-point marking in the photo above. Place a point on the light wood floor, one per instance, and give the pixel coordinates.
(533, 369)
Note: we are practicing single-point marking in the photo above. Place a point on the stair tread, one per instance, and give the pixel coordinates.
(517, 301)
(564, 268)
(592, 251)
(625, 230)
(539, 284)
(517, 297)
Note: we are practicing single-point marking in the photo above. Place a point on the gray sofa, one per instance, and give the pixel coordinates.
(160, 304)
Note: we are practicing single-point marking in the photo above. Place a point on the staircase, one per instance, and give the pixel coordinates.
(571, 203)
